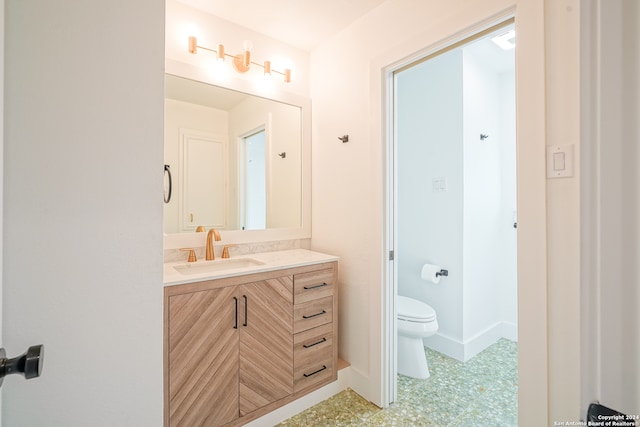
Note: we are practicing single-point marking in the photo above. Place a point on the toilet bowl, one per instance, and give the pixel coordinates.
(416, 320)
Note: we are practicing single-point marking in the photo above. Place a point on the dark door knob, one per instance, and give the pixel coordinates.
(28, 364)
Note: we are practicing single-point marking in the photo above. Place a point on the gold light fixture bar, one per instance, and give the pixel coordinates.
(241, 62)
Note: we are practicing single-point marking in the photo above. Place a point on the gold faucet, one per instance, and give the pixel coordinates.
(213, 234)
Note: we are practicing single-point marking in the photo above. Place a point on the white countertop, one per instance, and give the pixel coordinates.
(270, 261)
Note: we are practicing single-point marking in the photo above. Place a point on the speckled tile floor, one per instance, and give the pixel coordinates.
(481, 392)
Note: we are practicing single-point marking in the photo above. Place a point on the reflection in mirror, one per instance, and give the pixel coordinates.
(236, 159)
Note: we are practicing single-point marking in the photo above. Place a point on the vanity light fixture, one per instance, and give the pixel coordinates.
(241, 62)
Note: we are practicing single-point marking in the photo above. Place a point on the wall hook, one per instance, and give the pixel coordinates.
(483, 136)
(283, 154)
(344, 138)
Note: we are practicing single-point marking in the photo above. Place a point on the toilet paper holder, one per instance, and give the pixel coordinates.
(442, 272)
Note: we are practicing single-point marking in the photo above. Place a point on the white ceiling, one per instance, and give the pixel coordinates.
(300, 23)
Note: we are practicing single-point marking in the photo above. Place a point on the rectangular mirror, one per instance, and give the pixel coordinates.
(236, 160)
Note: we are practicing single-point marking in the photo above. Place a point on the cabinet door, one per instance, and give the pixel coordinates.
(203, 358)
(266, 342)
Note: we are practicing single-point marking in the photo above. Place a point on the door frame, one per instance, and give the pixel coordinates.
(2, 16)
(533, 405)
(391, 226)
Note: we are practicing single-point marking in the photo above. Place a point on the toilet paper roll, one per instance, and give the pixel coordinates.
(429, 273)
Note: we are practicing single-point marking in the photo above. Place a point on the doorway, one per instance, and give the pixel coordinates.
(253, 186)
(453, 197)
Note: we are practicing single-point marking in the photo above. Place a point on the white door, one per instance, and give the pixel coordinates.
(1, 165)
(29, 363)
(204, 196)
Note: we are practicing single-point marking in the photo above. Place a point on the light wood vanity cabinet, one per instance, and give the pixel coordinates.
(237, 348)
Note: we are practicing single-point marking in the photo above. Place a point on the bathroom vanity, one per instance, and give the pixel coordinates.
(247, 335)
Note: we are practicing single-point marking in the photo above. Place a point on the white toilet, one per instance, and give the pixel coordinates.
(416, 320)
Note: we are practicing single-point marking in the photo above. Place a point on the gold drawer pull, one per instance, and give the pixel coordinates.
(315, 372)
(307, 288)
(315, 343)
(315, 315)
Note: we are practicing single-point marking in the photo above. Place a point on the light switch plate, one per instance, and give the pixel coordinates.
(439, 185)
(559, 161)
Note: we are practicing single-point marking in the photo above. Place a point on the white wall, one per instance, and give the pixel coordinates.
(353, 225)
(429, 134)
(508, 236)
(488, 211)
(611, 192)
(284, 185)
(83, 210)
(481, 200)
(184, 21)
(350, 66)
(284, 178)
(443, 105)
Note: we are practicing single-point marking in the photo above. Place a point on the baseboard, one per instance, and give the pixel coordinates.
(482, 341)
(446, 345)
(360, 382)
(464, 351)
(510, 331)
(305, 402)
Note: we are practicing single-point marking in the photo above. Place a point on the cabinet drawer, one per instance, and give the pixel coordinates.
(307, 344)
(313, 285)
(313, 357)
(311, 314)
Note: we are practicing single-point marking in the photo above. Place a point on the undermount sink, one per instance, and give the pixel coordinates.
(200, 267)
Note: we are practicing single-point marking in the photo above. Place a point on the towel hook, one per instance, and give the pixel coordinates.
(344, 138)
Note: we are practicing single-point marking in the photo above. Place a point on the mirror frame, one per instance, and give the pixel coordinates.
(180, 240)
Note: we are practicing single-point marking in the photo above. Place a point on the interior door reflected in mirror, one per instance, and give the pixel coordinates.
(235, 158)
(253, 198)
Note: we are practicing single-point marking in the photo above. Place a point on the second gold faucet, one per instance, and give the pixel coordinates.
(213, 234)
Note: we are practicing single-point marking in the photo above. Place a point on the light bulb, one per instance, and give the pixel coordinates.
(193, 44)
(246, 57)
(220, 53)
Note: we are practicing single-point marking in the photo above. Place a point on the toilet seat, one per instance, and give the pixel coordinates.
(414, 311)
